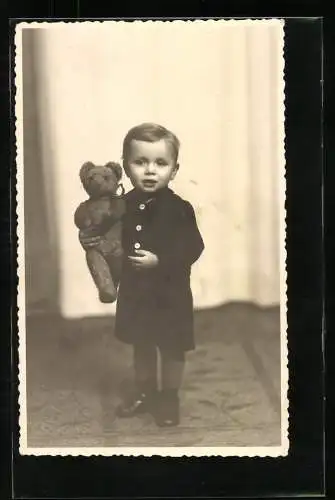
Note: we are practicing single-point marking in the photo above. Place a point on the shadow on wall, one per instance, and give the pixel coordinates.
(40, 249)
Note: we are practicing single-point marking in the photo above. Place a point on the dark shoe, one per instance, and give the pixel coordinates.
(167, 411)
(141, 403)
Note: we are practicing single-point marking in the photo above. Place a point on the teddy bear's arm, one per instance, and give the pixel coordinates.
(118, 208)
(81, 218)
(115, 212)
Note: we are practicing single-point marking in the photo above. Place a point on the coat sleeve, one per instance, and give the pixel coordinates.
(182, 243)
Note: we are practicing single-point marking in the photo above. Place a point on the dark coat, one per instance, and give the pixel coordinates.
(156, 305)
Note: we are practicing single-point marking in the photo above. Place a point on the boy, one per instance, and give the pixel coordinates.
(161, 241)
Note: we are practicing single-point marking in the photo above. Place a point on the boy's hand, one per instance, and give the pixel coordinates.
(144, 259)
(88, 241)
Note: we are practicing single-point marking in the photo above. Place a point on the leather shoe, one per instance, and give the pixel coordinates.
(167, 412)
(141, 403)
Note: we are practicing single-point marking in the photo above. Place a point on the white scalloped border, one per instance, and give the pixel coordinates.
(264, 452)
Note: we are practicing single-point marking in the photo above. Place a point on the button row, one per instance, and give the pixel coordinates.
(137, 245)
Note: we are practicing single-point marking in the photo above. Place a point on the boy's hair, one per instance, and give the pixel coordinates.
(150, 132)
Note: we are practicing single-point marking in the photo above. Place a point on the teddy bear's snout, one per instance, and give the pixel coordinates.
(98, 180)
(101, 183)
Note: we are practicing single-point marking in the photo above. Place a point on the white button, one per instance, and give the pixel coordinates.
(138, 228)
(137, 246)
(142, 206)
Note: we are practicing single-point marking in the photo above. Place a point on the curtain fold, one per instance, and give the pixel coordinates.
(218, 86)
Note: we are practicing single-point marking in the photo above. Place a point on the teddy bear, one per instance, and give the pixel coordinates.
(100, 215)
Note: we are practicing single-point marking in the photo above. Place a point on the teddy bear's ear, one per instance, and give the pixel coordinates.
(116, 167)
(85, 169)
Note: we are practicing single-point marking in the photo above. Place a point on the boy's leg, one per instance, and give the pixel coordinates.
(173, 364)
(145, 365)
(172, 373)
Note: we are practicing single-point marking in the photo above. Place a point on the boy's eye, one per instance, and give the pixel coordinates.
(161, 163)
(139, 161)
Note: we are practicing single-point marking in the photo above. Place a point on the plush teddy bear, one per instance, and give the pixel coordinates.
(100, 215)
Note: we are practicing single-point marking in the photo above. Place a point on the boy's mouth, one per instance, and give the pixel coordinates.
(149, 182)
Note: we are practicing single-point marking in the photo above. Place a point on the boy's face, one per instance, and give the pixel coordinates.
(151, 165)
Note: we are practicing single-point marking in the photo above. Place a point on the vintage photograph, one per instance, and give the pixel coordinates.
(151, 238)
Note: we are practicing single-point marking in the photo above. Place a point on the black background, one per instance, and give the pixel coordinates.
(302, 472)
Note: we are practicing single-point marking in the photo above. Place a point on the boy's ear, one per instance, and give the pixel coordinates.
(175, 170)
(116, 168)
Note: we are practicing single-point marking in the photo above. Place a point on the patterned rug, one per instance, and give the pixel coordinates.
(77, 373)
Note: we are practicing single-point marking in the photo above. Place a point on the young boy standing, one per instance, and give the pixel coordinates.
(161, 241)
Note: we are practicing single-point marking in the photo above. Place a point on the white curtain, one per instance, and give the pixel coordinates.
(219, 86)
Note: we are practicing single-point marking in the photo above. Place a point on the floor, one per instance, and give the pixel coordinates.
(77, 373)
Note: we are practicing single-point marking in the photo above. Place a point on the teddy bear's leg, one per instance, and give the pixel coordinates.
(115, 262)
(101, 275)
(115, 266)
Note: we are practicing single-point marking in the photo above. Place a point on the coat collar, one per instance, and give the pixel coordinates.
(134, 196)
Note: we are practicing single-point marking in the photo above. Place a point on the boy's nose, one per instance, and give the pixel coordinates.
(150, 168)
